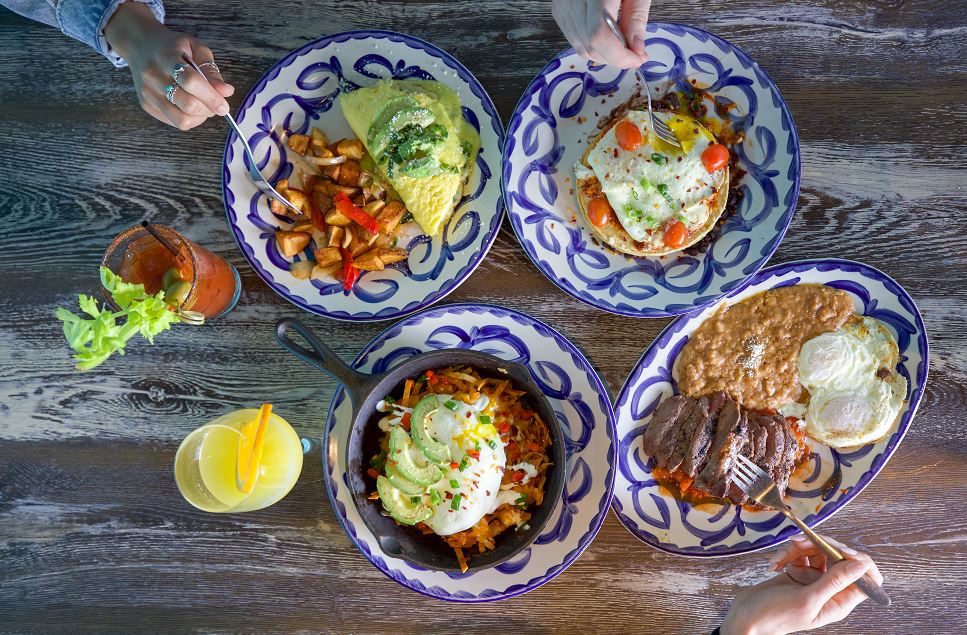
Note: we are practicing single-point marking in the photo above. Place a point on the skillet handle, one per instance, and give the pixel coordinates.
(322, 357)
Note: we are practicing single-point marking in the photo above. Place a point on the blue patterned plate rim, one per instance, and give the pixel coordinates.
(603, 396)
(795, 266)
(517, 118)
(475, 86)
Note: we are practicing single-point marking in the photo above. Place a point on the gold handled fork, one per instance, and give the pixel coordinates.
(760, 487)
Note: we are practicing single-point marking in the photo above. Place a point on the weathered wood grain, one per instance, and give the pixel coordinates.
(93, 535)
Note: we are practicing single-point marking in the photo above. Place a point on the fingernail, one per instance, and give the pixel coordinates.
(851, 552)
(222, 110)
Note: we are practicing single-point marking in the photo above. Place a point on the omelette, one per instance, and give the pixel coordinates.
(644, 197)
(423, 147)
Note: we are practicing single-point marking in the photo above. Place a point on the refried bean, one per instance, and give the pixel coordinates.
(749, 349)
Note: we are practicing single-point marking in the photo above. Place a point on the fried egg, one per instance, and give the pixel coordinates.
(656, 183)
(478, 483)
(855, 392)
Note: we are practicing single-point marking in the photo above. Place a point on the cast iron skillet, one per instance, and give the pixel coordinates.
(365, 391)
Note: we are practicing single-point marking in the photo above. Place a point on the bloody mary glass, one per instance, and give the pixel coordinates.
(206, 283)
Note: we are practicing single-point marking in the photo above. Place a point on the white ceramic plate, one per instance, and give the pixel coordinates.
(549, 131)
(575, 393)
(301, 91)
(820, 487)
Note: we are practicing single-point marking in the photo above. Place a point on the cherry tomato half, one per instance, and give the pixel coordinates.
(715, 157)
(628, 135)
(600, 212)
(675, 234)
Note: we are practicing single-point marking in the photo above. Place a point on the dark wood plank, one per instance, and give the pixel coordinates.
(93, 535)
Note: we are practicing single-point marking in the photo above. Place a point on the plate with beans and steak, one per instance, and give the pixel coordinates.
(813, 372)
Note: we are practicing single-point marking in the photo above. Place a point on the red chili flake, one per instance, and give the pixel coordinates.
(468, 414)
(454, 465)
(474, 454)
(372, 472)
(449, 495)
(517, 476)
(488, 492)
(679, 159)
(503, 428)
(615, 154)
(405, 421)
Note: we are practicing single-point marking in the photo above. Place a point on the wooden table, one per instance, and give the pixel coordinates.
(93, 533)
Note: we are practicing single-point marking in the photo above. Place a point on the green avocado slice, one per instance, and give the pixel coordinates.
(400, 448)
(399, 505)
(431, 448)
(402, 483)
(389, 133)
(390, 108)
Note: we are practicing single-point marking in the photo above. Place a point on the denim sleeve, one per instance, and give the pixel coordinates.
(82, 20)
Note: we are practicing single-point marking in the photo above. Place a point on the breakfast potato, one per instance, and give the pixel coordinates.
(352, 148)
(324, 273)
(336, 218)
(389, 256)
(304, 226)
(349, 174)
(327, 256)
(373, 208)
(299, 143)
(291, 243)
(331, 189)
(297, 198)
(301, 270)
(368, 261)
(390, 216)
(335, 236)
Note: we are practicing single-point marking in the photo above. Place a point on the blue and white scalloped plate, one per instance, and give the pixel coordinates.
(549, 131)
(582, 405)
(300, 91)
(823, 485)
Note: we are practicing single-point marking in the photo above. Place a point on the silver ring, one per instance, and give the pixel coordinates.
(170, 91)
(212, 64)
(176, 71)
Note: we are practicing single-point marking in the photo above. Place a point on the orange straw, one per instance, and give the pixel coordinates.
(249, 464)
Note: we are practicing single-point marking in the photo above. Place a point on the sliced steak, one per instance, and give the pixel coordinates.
(788, 462)
(775, 443)
(662, 420)
(755, 449)
(730, 436)
(698, 418)
(696, 454)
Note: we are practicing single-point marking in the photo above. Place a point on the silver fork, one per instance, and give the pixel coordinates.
(259, 180)
(660, 127)
(760, 487)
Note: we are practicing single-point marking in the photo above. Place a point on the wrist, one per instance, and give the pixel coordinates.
(131, 20)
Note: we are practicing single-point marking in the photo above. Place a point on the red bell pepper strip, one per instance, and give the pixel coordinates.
(349, 272)
(348, 209)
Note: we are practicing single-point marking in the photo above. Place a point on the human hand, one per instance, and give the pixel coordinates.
(808, 594)
(582, 22)
(152, 51)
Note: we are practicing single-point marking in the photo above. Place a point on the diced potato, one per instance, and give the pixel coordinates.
(332, 189)
(349, 174)
(327, 256)
(335, 236)
(359, 243)
(297, 198)
(299, 143)
(323, 273)
(301, 269)
(384, 241)
(368, 261)
(373, 208)
(322, 200)
(359, 200)
(319, 237)
(352, 148)
(335, 217)
(277, 207)
(318, 149)
(304, 226)
(290, 243)
(390, 216)
(331, 171)
(389, 256)
(318, 136)
(281, 185)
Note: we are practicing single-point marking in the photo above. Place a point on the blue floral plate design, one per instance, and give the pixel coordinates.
(549, 131)
(582, 405)
(301, 91)
(821, 486)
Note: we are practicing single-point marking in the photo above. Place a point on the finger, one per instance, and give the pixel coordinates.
(571, 32)
(196, 84)
(841, 605)
(837, 578)
(205, 59)
(157, 105)
(848, 553)
(802, 575)
(634, 20)
(602, 43)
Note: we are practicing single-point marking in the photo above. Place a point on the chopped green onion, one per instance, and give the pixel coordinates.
(450, 405)
(455, 505)
(454, 483)
(435, 497)
(389, 399)
(658, 158)
(465, 463)
(421, 378)
(522, 502)
(683, 218)
(476, 446)
(485, 419)
(414, 499)
(492, 444)
(663, 190)
(645, 183)
(634, 194)
(634, 214)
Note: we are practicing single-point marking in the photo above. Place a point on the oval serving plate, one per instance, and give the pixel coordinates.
(823, 485)
(580, 402)
(549, 130)
(300, 91)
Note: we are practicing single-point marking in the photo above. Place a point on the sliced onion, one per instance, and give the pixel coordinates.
(378, 191)
(326, 160)
(365, 179)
